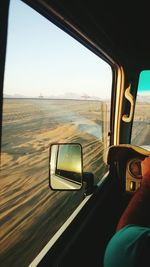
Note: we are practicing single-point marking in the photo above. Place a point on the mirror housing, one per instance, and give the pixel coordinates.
(66, 166)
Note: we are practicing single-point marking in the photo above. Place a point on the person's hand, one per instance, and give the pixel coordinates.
(145, 168)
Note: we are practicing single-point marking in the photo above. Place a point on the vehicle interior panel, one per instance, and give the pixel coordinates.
(128, 159)
(119, 34)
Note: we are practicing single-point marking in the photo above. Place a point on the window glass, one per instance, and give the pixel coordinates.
(55, 90)
(141, 123)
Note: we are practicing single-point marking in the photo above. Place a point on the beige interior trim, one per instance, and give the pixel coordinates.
(130, 98)
(125, 151)
(118, 106)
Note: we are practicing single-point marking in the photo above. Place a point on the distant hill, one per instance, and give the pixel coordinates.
(77, 96)
(74, 96)
(143, 98)
(14, 96)
(63, 96)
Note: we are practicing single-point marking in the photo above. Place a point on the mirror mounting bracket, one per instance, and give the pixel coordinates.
(88, 178)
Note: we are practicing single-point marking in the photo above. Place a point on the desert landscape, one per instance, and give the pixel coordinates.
(29, 209)
(141, 126)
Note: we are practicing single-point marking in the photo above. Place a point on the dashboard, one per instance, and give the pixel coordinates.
(128, 160)
(133, 174)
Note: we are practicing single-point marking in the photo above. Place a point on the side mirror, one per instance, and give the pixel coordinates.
(66, 166)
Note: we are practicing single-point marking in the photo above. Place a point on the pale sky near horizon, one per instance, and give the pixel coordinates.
(42, 59)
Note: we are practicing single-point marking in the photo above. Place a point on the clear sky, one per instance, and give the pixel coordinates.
(42, 59)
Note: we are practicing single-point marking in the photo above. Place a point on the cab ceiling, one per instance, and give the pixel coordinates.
(122, 30)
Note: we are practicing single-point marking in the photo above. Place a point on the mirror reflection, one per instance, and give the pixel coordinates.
(66, 166)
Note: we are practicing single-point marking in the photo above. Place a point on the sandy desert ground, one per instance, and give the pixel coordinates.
(141, 126)
(29, 209)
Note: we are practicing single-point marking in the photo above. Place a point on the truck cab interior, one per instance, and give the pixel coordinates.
(119, 34)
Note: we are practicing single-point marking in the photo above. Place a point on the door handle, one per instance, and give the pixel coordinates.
(129, 97)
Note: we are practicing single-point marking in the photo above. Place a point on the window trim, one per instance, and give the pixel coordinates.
(4, 10)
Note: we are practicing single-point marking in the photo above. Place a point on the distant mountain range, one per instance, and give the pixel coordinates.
(140, 98)
(15, 96)
(143, 98)
(63, 96)
(76, 96)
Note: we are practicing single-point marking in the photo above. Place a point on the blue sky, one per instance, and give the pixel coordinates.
(43, 59)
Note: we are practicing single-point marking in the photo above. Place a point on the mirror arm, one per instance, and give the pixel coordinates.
(88, 178)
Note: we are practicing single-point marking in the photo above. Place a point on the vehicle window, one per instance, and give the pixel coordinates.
(55, 90)
(141, 123)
